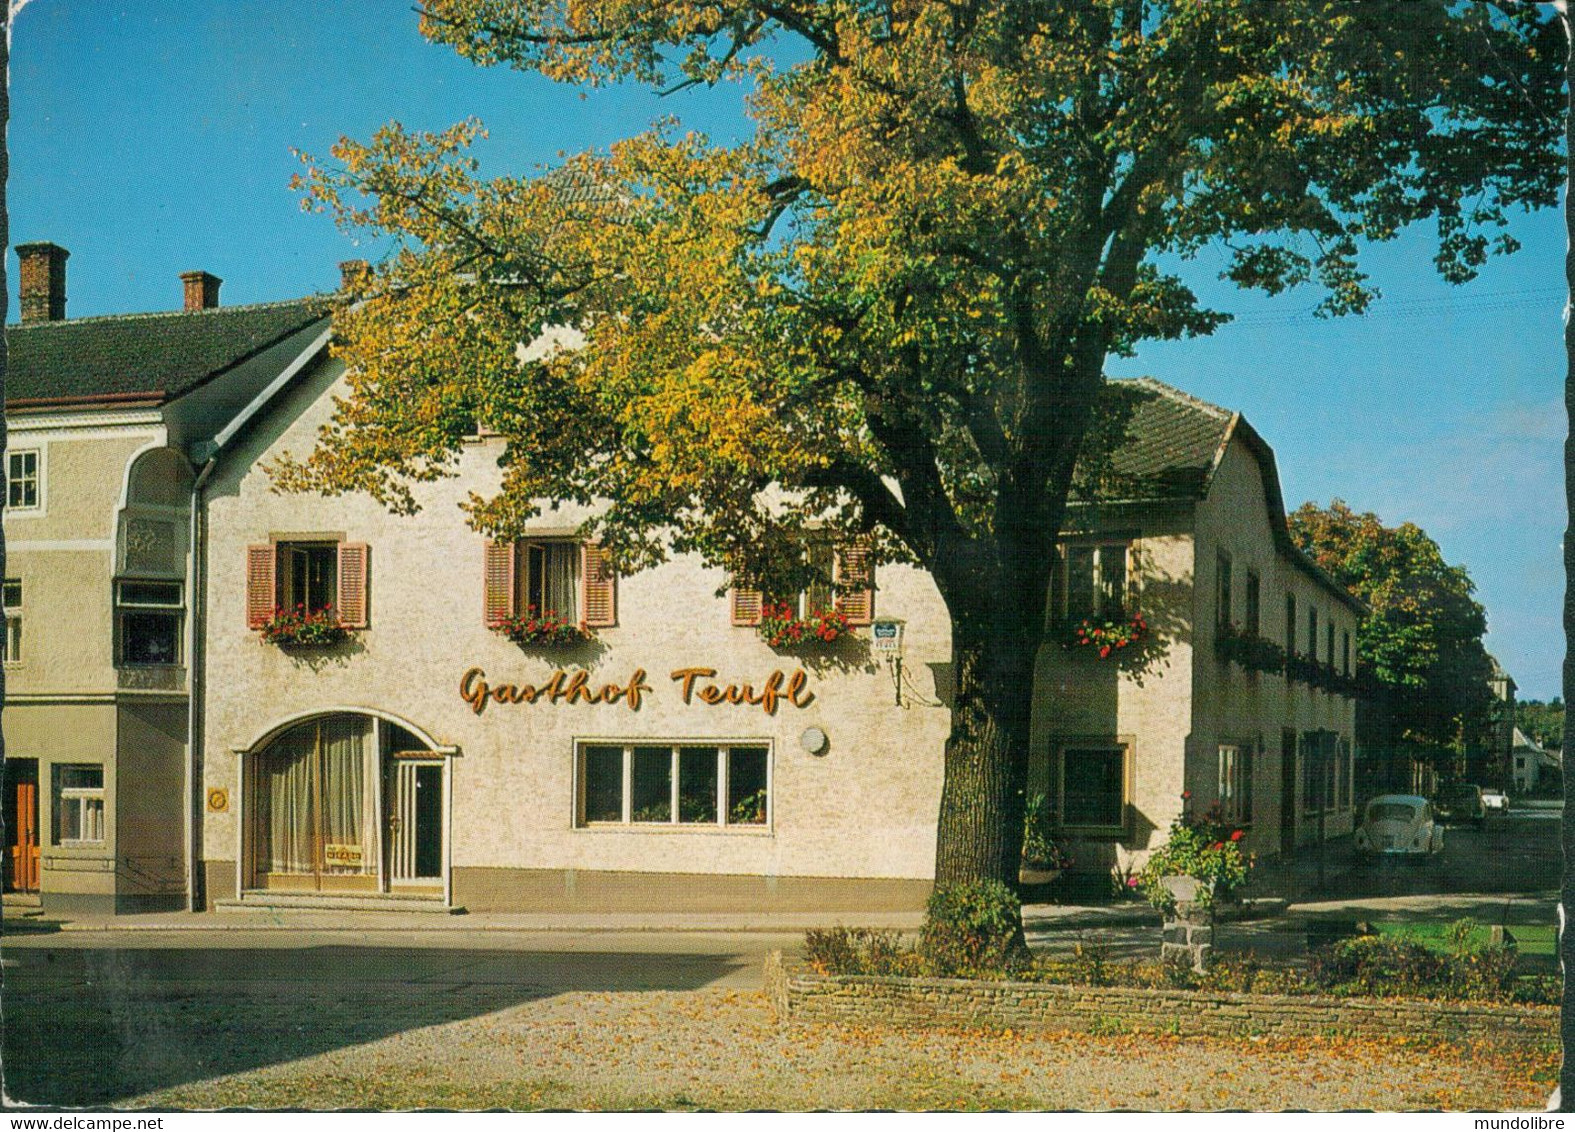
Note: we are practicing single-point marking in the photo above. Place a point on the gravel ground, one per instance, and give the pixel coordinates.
(717, 1049)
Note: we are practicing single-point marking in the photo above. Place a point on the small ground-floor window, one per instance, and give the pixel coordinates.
(1094, 787)
(79, 804)
(711, 784)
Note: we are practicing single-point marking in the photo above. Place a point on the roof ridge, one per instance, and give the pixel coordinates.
(1178, 395)
(239, 308)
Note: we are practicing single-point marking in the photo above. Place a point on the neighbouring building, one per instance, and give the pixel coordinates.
(107, 420)
(1536, 770)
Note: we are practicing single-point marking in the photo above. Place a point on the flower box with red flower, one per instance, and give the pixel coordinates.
(304, 628)
(1105, 636)
(781, 627)
(542, 628)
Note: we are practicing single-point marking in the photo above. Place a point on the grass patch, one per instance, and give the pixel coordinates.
(1530, 939)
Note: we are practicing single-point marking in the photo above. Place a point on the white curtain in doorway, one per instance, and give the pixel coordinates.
(348, 818)
(285, 771)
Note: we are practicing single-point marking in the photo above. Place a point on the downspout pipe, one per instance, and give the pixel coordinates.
(194, 687)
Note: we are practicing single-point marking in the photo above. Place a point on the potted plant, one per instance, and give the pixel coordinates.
(781, 627)
(306, 628)
(1043, 857)
(541, 628)
(1201, 863)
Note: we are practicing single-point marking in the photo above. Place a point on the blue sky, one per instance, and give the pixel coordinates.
(155, 138)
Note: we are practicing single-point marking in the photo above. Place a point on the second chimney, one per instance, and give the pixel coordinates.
(202, 290)
(43, 281)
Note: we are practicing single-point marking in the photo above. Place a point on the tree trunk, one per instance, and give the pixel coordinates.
(980, 832)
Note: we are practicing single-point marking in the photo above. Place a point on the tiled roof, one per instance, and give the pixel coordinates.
(1170, 441)
(157, 356)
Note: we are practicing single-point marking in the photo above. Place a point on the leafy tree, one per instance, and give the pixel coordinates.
(1543, 722)
(1420, 644)
(887, 312)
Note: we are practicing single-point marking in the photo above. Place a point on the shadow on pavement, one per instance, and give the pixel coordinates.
(95, 1027)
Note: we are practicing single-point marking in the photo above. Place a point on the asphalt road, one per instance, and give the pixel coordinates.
(1515, 853)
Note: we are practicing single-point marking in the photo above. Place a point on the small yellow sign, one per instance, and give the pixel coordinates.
(342, 855)
(218, 800)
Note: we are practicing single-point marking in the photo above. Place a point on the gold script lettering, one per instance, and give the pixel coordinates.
(576, 689)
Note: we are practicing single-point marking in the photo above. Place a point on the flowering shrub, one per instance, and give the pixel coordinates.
(302, 626)
(781, 627)
(548, 628)
(1207, 849)
(1105, 635)
(1040, 848)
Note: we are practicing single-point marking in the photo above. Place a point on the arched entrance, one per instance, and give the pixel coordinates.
(346, 802)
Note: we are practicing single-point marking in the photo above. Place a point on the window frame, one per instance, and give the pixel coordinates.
(284, 572)
(1223, 587)
(523, 574)
(1063, 578)
(676, 747)
(1235, 781)
(64, 799)
(123, 608)
(1252, 615)
(1127, 747)
(36, 478)
(11, 645)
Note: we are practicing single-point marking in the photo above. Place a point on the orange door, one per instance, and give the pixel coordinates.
(24, 841)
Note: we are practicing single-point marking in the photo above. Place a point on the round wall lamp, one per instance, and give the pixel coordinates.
(813, 740)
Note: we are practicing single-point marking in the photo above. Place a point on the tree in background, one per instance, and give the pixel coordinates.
(1542, 722)
(886, 314)
(1419, 648)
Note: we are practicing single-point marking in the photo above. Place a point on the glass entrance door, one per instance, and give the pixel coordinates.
(314, 811)
(415, 823)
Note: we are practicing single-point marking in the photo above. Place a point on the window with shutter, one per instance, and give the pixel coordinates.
(353, 584)
(498, 581)
(599, 587)
(746, 605)
(261, 598)
(855, 585)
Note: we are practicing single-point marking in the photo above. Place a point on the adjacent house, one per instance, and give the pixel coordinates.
(108, 419)
(1535, 769)
(223, 695)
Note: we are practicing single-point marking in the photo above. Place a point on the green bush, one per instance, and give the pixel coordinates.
(1377, 965)
(1206, 848)
(974, 931)
(859, 951)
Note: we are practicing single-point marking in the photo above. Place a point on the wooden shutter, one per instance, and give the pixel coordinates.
(352, 584)
(260, 595)
(599, 586)
(498, 582)
(746, 606)
(855, 584)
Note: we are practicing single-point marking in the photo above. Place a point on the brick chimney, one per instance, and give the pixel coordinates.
(202, 290)
(43, 281)
(353, 273)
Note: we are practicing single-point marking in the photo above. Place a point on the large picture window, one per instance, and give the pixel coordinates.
(674, 784)
(1094, 788)
(79, 804)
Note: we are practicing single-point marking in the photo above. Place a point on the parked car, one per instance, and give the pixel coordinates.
(1495, 801)
(1463, 802)
(1399, 825)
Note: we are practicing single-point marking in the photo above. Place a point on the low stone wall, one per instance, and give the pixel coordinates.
(864, 1000)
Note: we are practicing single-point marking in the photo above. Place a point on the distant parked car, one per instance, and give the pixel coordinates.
(1463, 802)
(1495, 801)
(1399, 825)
